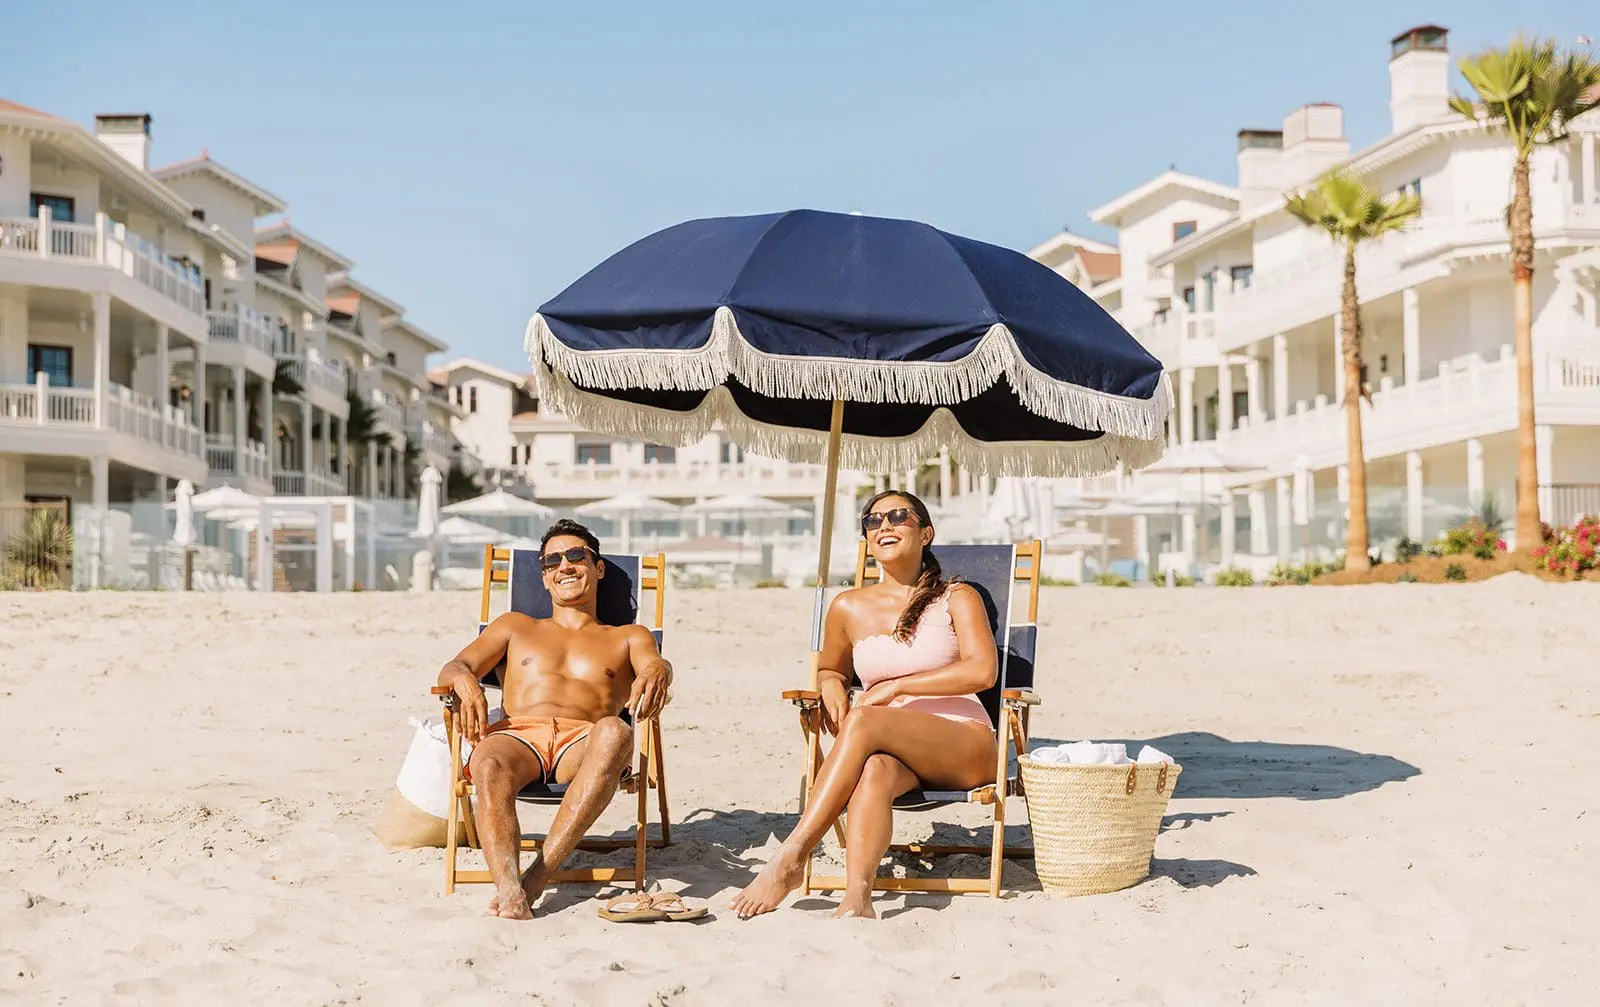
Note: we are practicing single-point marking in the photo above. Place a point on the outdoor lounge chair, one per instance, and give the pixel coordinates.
(993, 570)
(625, 581)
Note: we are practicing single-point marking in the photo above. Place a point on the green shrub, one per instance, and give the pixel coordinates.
(1406, 578)
(1407, 549)
(1235, 576)
(1305, 573)
(1474, 537)
(771, 582)
(1056, 582)
(1455, 571)
(1109, 579)
(1570, 551)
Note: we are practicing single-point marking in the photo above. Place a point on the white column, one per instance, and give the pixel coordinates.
(1474, 473)
(1141, 534)
(240, 424)
(1411, 312)
(1187, 533)
(1338, 360)
(1229, 524)
(1280, 376)
(1285, 524)
(305, 440)
(1186, 405)
(372, 470)
(264, 407)
(100, 500)
(344, 459)
(1588, 191)
(163, 379)
(102, 356)
(264, 581)
(1252, 390)
(1414, 476)
(197, 396)
(1258, 522)
(325, 547)
(1224, 400)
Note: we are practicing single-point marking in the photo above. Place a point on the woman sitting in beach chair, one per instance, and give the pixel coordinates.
(921, 648)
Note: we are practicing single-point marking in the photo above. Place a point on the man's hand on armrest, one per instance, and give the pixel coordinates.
(471, 704)
(652, 675)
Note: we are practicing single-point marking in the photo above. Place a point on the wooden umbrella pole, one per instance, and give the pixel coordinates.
(825, 540)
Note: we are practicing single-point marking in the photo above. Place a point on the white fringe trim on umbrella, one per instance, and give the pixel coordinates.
(933, 383)
(670, 428)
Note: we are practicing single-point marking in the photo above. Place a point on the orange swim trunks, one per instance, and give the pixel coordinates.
(548, 738)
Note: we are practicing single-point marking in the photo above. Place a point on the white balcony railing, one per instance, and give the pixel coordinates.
(106, 245)
(325, 375)
(240, 324)
(1468, 397)
(390, 412)
(224, 458)
(125, 412)
(295, 483)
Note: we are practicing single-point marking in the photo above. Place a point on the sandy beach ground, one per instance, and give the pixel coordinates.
(1389, 797)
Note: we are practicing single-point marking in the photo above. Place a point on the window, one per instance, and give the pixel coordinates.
(61, 207)
(1210, 281)
(730, 453)
(514, 455)
(54, 361)
(390, 358)
(1413, 187)
(597, 454)
(660, 455)
(1182, 229)
(1241, 406)
(472, 399)
(1188, 298)
(1241, 276)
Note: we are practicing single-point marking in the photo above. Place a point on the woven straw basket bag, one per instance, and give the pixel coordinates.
(1095, 826)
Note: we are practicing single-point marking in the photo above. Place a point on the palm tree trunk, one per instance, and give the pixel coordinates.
(1519, 220)
(1355, 537)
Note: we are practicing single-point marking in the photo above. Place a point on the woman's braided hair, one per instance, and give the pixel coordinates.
(930, 580)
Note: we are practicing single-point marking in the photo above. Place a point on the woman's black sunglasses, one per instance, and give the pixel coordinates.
(577, 554)
(898, 517)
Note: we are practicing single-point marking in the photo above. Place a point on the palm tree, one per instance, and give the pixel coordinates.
(284, 383)
(38, 555)
(1350, 209)
(1532, 91)
(460, 485)
(360, 433)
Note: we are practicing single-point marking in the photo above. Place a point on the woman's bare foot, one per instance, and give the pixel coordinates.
(514, 906)
(780, 877)
(857, 904)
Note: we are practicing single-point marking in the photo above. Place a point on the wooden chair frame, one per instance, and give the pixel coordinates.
(1012, 730)
(650, 774)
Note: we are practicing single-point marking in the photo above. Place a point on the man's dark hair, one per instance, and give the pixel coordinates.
(574, 529)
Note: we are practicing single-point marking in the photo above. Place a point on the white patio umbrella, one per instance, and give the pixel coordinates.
(625, 507)
(428, 503)
(1201, 459)
(225, 497)
(498, 503)
(741, 505)
(183, 534)
(460, 531)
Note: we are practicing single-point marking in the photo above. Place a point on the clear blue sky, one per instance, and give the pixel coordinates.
(474, 157)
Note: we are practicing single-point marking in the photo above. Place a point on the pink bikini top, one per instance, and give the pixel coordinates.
(881, 657)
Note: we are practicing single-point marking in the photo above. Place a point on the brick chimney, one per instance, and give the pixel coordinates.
(1419, 77)
(128, 135)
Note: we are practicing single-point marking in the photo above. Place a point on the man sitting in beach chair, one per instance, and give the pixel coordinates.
(566, 679)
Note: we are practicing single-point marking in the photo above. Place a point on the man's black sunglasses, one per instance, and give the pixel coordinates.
(577, 554)
(898, 517)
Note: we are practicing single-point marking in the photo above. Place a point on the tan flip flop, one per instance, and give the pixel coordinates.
(641, 907)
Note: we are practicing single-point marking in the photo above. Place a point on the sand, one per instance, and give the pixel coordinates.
(1388, 797)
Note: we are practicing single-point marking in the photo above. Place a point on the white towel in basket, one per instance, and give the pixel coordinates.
(1090, 753)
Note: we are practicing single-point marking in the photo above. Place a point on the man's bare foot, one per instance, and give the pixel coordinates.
(856, 905)
(514, 906)
(533, 881)
(780, 877)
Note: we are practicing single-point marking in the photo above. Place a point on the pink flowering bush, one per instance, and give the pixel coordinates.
(1476, 537)
(1571, 551)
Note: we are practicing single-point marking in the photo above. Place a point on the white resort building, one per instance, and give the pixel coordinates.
(152, 331)
(1239, 301)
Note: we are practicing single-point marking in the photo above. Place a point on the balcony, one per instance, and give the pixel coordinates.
(1307, 288)
(1469, 397)
(322, 381)
(390, 413)
(293, 483)
(224, 460)
(130, 427)
(240, 336)
(103, 256)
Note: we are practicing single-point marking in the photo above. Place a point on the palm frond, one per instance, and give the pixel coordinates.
(1530, 88)
(1349, 207)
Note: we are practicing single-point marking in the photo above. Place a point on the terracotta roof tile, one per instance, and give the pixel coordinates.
(11, 106)
(281, 251)
(347, 304)
(1101, 266)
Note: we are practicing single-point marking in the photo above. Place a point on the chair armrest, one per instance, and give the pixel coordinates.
(1020, 697)
(440, 690)
(802, 697)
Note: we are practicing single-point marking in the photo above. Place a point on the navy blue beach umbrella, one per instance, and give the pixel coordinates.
(850, 340)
